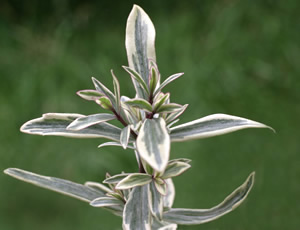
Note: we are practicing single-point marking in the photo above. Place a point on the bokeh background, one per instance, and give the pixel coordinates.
(239, 57)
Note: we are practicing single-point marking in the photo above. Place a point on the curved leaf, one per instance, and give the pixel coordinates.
(212, 125)
(84, 122)
(140, 39)
(200, 216)
(106, 201)
(153, 143)
(65, 187)
(167, 81)
(124, 138)
(170, 196)
(136, 213)
(114, 144)
(89, 94)
(115, 179)
(134, 180)
(175, 169)
(157, 204)
(140, 103)
(55, 124)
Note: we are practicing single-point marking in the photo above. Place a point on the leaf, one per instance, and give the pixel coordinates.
(212, 125)
(116, 178)
(140, 39)
(55, 124)
(114, 144)
(140, 103)
(134, 180)
(101, 88)
(156, 201)
(176, 114)
(153, 79)
(175, 169)
(160, 186)
(167, 81)
(105, 201)
(160, 99)
(170, 196)
(185, 160)
(90, 95)
(117, 92)
(124, 138)
(137, 77)
(153, 143)
(169, 108)
(84, 122)
(136, 213)
(97, 186)
(65, 187)
(200, 216)
(105, 103)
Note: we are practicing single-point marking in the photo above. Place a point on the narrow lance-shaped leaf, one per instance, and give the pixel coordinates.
(169, 108)
(167, 81)
(138, 79)
(156, 201)
(174, 115)
(200, 216)
(140, 103)
(124, 138)
(134, 180)
(84, 122)
(101, 88)
(117, 92)
(153, 143)
(55, 124)
(114, 144)
(69, 188)
(115, 179)
(106, 201)
(140, 39)
(212, 125)
(170, 196)
(136, 213)
(89, 94)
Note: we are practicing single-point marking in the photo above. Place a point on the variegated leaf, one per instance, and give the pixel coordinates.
(137, 213)
(101, 88)
(167, 81)
(114, 144)
(55, 124)
(170, 196)
(86, 121)
(140, 103)
(136, 77)
(212, 125)
(134, 180)
(153, 143)
(175, 169)
(106, 202)
(200, 216)
(90, 95)
(140, 39)
(156, 201)
(65, 187)
(169, 108)
(115, 179)
(171, 117)
(117, 92)
(97, 186)
(124, 138)
(161, 186)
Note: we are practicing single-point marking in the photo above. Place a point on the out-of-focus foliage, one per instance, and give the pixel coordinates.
(239, 57)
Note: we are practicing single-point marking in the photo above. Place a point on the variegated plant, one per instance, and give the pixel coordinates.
(143, 199)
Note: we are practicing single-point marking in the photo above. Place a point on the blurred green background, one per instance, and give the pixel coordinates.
(239, 57)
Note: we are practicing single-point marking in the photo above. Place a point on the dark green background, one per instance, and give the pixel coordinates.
(239, 57)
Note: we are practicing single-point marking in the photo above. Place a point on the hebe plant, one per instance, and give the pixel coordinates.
(143, 199)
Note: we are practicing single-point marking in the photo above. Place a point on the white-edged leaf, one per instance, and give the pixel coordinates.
(84, 122)
(55, 124)
(117, 92)
(170, 196)
(134, 180)
(161, 186)
(65, 187)
(153, 143)
(140, 103)
(200, 216)
(167, 81)
(140, 47)
(212, 125)
(124, 138)
(136, 214)
(97, 186)
(160, 99)
(114, 144)
(139, 81)
(162, 225)
(157, 204)
(169, 108)
(101, 88)
(89, 94)
(175, 169)
(116, 178)
(105, 202)
(171, 117)
(185, 160)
